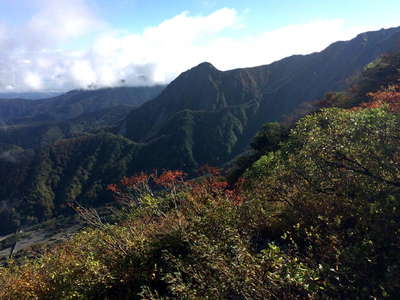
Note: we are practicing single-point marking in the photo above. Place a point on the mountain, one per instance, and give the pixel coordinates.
(31, 124)
(204, 116)
(73, 104)
(29, 95)
(219, 112)
(38, 134)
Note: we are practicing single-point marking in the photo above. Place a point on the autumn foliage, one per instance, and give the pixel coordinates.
(389, 97)
(211, 183)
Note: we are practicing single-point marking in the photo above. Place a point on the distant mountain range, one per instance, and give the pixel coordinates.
(204, 116)
(31, 124)
(29, 95)
(74, 103)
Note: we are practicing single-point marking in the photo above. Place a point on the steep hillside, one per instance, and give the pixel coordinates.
(36, 186)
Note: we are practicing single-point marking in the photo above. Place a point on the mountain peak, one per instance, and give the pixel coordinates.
(205, 66)
(202, 70)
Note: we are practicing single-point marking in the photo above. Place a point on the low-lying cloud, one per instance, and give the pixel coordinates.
(33, 56)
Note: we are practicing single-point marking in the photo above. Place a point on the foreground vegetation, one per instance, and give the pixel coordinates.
(316, 216)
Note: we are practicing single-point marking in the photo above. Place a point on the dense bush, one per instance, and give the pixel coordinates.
(339, 175)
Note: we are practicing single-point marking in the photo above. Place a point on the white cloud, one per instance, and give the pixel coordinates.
(29, 59)
(57, 21)
(282, 42)
(33, 81)
(157, 55)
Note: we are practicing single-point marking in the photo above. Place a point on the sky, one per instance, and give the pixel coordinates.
(58, 45)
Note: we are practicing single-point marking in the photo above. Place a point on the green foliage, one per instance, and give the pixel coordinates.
(359, 146)
(338, 179)
(270, 136)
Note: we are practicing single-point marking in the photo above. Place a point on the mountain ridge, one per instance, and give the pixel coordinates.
(273, 90)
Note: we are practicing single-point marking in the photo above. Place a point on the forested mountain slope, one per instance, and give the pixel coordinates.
(244, 99)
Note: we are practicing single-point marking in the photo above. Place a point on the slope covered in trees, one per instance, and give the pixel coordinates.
(36, 134)
(76, 169)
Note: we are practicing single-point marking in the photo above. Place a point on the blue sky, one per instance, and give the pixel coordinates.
(64, 44)
(262, 15)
